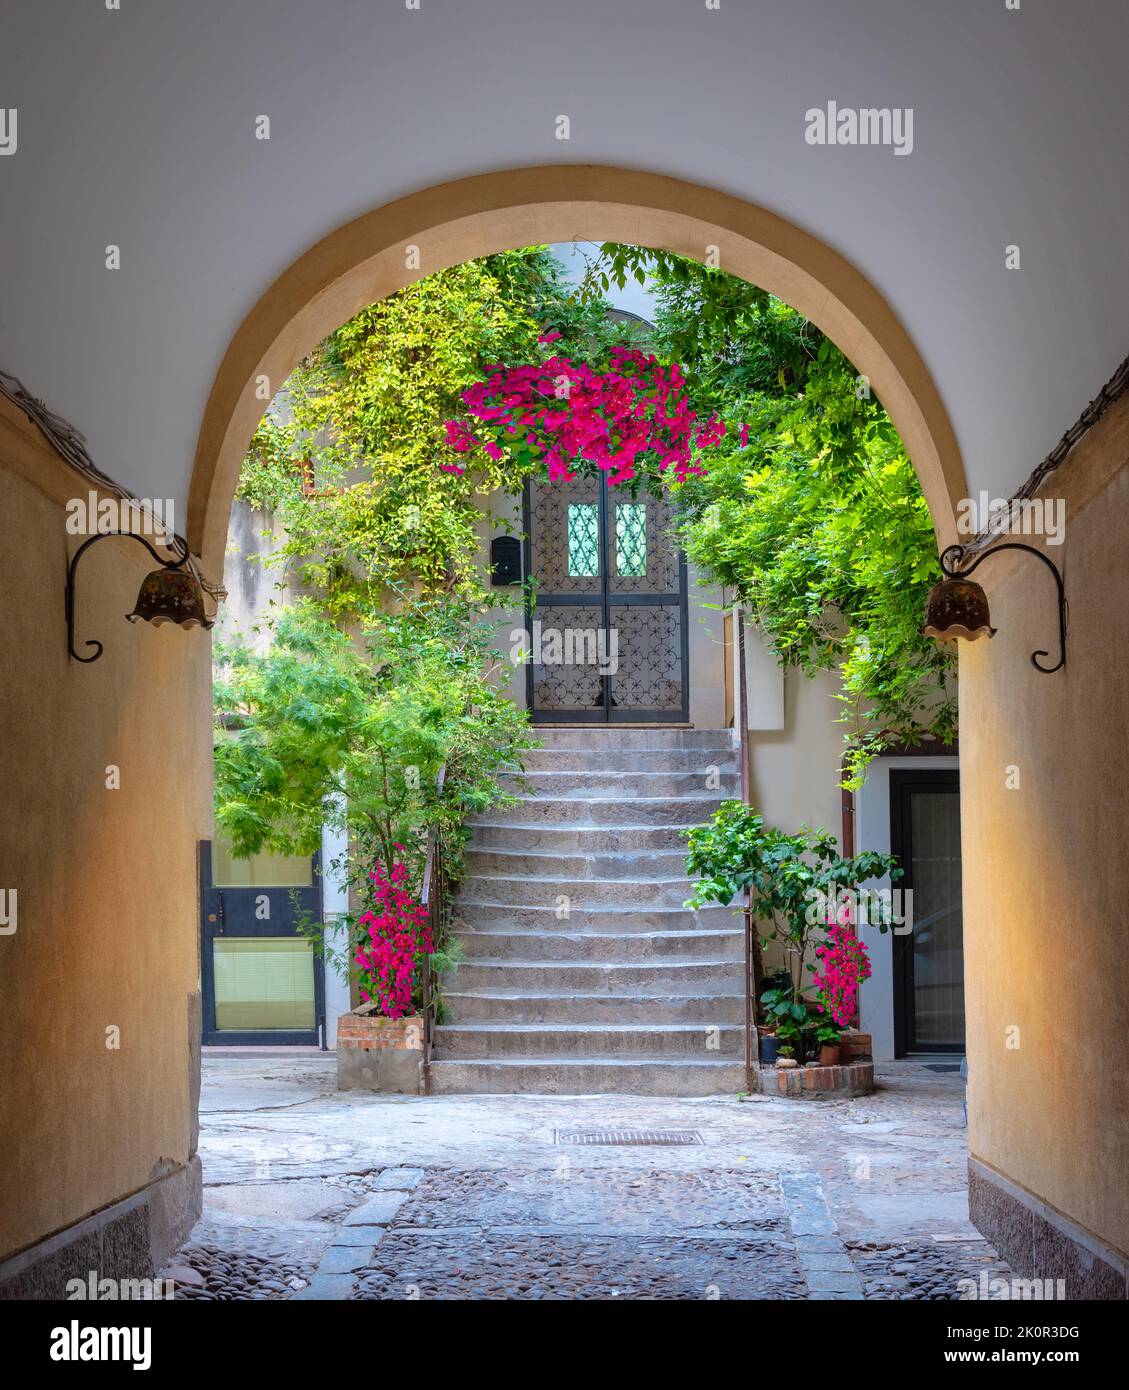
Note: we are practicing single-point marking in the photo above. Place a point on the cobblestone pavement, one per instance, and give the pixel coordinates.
(314, 1194)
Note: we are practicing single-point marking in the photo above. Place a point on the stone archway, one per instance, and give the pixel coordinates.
(379, 253)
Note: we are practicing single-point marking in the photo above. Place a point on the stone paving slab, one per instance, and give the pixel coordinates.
(346, 1259)
(360, 1236)
(827, 1271)
(399, 1179)
(327, 1287)
(378, 1211)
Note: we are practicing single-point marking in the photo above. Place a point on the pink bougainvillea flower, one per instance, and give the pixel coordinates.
(633, 415)
(398, 937)
(844, 964)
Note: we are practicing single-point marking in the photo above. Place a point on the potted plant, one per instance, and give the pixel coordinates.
(828, 1035)
(769, 1047)
(796, 883)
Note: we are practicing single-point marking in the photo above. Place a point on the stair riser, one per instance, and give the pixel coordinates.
(621, 787)
(662, 978)
(635, 864)
(570, 1008)
(550, 840)
(580, 893)
(726, 1042)
(511, 917)
(600, 822)
(579, 813)
(615, 949)
(555, 1079)
(595, 738)
(685, 760)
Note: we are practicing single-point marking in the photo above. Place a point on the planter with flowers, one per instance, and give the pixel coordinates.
(380, 1043)
(800, 889)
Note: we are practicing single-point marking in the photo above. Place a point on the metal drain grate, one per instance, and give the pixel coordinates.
(641, 1137)
(941, 1066)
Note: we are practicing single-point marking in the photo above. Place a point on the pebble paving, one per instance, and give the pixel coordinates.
(474, 1201)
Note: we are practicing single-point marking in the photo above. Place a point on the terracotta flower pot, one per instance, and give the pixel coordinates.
(844, 1049)
(829, 1054)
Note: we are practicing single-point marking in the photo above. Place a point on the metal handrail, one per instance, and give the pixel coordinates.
(433, 899)
(752, 946)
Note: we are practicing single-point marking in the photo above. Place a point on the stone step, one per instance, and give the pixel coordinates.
(613, 947)
(494, 916)
(596, 977)
(611, 864)
(630, 760)
(597, 736)
(524, 890)
(478, 1041)
(553, 839)
(565, 1006)
(607, 785)
(579, 1076)
(631, 992)
(577, 812)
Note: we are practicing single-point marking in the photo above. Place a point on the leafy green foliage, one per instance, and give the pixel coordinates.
(789, 877)
(351, 732)
(814, 517)
(367, 409)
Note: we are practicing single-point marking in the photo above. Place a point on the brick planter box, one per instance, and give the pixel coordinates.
(855, 1079)
(380, 1054)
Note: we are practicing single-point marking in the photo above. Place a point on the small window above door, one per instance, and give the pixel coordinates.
(631, 540)
(583, 540)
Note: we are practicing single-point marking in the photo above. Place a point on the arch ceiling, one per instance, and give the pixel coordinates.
(136, 127)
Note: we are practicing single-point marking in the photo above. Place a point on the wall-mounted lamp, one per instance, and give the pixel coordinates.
(958, 607)
(170, 594)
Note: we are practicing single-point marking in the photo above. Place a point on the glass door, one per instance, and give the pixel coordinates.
(929, 961)
(262, 981)
(608, 631)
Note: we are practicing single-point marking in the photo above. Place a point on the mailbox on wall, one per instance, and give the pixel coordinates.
(505, 561)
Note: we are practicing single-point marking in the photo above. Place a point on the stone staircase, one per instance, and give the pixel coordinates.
(629, 991)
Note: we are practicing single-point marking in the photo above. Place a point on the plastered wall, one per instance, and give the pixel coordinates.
(106, 930)
(1046, 864)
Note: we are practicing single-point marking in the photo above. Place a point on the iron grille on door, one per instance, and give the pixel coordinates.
(608, 632)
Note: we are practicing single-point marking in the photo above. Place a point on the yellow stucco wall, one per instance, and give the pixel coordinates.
(1045, 865)
(106, 927)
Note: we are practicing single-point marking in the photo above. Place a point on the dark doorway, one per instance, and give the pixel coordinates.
(609, 635)
(262, 980)
(929, 961)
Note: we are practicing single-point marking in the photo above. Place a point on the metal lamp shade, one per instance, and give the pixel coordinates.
(957, 608)
(170, 596)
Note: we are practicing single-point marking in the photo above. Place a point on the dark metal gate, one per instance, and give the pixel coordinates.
(609, 641)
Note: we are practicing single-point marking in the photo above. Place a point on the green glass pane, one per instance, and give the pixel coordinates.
(263, 870)
(631, 539)
(583, 540)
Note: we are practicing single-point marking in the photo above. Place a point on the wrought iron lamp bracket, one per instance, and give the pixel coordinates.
(954, 566)
(175, 564)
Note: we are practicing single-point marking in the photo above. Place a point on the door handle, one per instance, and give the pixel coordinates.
(215, 919)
